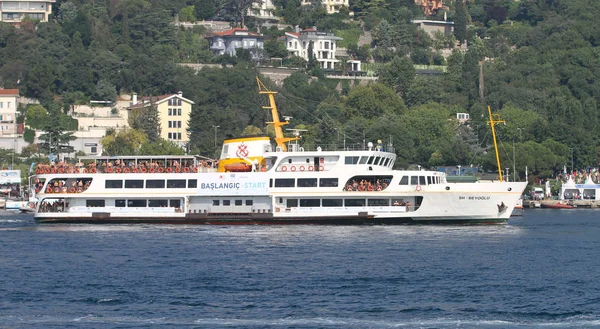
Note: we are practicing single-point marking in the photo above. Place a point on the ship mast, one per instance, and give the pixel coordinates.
(495, 119)
(280, 140)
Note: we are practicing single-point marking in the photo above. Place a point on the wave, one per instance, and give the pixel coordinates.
(317, 322)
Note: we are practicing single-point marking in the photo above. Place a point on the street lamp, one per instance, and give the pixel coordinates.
(216, 128)
(459, 169)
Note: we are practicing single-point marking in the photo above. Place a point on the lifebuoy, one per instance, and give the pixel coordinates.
(186, 169)
(135, 170)
(293, 168)
(72, 190)
(79, 190)
(161, 169)
(152, 170)
(54, 170)
(418, 188)
(311, 168)
(69, 170)
(195, 169)
(49, 190)
(37, 171)
(93, 171)
(321, 168)
(144, 170)
(126, 170)
(283, 168)
(61, 171)
(85, 171)
(47, 171)
(77, 170)
(118, 170)
(169, 170)
(108, 170)
(177, 170)
(301, 168)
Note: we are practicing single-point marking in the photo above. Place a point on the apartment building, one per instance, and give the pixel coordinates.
(227, 42)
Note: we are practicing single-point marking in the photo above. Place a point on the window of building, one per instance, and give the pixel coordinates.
(176, 183)
(179, 124)
(328, 182)
(414, 180)
(332, 202)
(239, 202)
(136, 203)
(94, 203)
(1, 105)
(120, 203)
(170, 111)
(216, 202)
(192, 183)
(421, 180)
(227, 202)
(155, 183)
(170, 136)
(170, 124)
(284, 182)
(134, 183)
(290, 44)
(179, 111)
(249, 202)
(179, 136)
(170, 102)
(109, 183)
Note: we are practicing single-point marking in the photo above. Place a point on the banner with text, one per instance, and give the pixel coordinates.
(245, 183)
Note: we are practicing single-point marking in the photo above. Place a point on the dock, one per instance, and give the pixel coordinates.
(576, 203)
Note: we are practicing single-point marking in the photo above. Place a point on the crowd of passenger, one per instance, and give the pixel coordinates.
(53, 206)
(124, 166)
(366, 185)
(65, 186)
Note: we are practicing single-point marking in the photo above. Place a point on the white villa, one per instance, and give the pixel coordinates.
(324, 46)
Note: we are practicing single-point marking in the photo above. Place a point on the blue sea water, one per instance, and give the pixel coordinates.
(539, 271)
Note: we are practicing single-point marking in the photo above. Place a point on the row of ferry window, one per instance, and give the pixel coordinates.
(420, 180)
(151, 183)
(369, 160)
(304, 182)
(175, 203)
(292, 203)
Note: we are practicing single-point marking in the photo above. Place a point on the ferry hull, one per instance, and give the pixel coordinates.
(265, 219)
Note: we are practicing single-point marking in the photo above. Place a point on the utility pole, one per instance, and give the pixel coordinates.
(216, 128)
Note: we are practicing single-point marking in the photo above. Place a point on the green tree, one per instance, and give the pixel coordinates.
(187, 14)
(123, 142)
(146, 121)
(36, 116)
(161, 147)
(460, 21)
(398, 74)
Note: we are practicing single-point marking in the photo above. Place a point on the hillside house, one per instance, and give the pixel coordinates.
(227, 42)
(324, 46)
(14, 11)
(173, 113)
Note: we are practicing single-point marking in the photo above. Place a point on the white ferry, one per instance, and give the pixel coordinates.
(256, 182)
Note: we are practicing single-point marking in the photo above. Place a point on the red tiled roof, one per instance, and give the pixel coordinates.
(233, 32)
(9, 92)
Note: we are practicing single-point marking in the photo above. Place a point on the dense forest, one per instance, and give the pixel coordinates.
(540, 61)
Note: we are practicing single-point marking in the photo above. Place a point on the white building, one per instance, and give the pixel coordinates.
(332, 6)
(263, 10)
(8, 111)
(324, 46)
(14, 11)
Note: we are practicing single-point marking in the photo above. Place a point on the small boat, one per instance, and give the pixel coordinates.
(557, 205)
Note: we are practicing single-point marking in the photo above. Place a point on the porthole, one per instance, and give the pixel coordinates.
(447, 188)
(509, 189)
